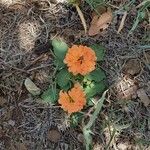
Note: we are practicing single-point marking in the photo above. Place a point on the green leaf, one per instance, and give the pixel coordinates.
(31, 87)
(60, 48)
(100, 51)
(50, 95)
(76, 119)
(67, 87)
(95, 88)
(59, 63)
(89, 102)
(96, 75)
(87, 127)
(63, 78)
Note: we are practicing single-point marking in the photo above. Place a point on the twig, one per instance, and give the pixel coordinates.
(81, 17)
(122, 22)
(39, 67)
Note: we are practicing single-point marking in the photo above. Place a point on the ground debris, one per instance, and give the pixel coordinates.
(18, 146)
(132, 67)
(100, 23)
(126, 89)
(143, 97)
(2, 101)
(54, 135)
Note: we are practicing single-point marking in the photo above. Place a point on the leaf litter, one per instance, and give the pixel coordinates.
(100, 22)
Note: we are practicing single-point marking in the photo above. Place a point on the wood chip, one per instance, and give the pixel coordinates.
(143, 97)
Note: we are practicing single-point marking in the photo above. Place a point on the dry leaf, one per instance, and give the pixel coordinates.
(122, 22)
(125, 89)
(143, 97)
(100, 22)
(132, 67)
(54, 135)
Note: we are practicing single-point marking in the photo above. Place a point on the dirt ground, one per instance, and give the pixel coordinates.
(26, 27)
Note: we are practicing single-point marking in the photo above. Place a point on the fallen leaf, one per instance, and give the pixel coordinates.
(143, 97)
(122, 22)
(31, 87)
(54, 135)
(132, 67)
(100, 22)
(125, 89)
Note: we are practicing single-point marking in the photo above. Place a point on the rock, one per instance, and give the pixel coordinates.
(54, 135)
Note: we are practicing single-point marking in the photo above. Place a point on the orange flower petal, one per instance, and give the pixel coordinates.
(74, 100)
(80, 60)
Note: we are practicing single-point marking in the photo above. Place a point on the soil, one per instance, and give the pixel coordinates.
(26, 28)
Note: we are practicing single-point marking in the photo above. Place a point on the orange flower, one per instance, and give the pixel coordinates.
(80, 60)
(73, 100)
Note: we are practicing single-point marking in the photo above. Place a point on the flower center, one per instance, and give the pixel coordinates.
(80, 60)
(71, 100)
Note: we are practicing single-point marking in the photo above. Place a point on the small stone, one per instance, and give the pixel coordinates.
(11, 122)
(54, 135)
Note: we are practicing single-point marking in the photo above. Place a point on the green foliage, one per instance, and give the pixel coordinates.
(95, 3)
(59, 63)
(87, 128)
(50, 95)
(63, 78)
(60, 48)
(141, 15)
(94, 84)
(95, 88)
(76, 119)
(96, 75)
(100, 51)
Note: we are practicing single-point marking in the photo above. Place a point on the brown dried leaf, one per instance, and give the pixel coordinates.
(143, 97)
(54, 135)
(100, 22)
(126, 89)
(132, 67)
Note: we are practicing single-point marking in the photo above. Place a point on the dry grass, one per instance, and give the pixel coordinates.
(24, 27)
